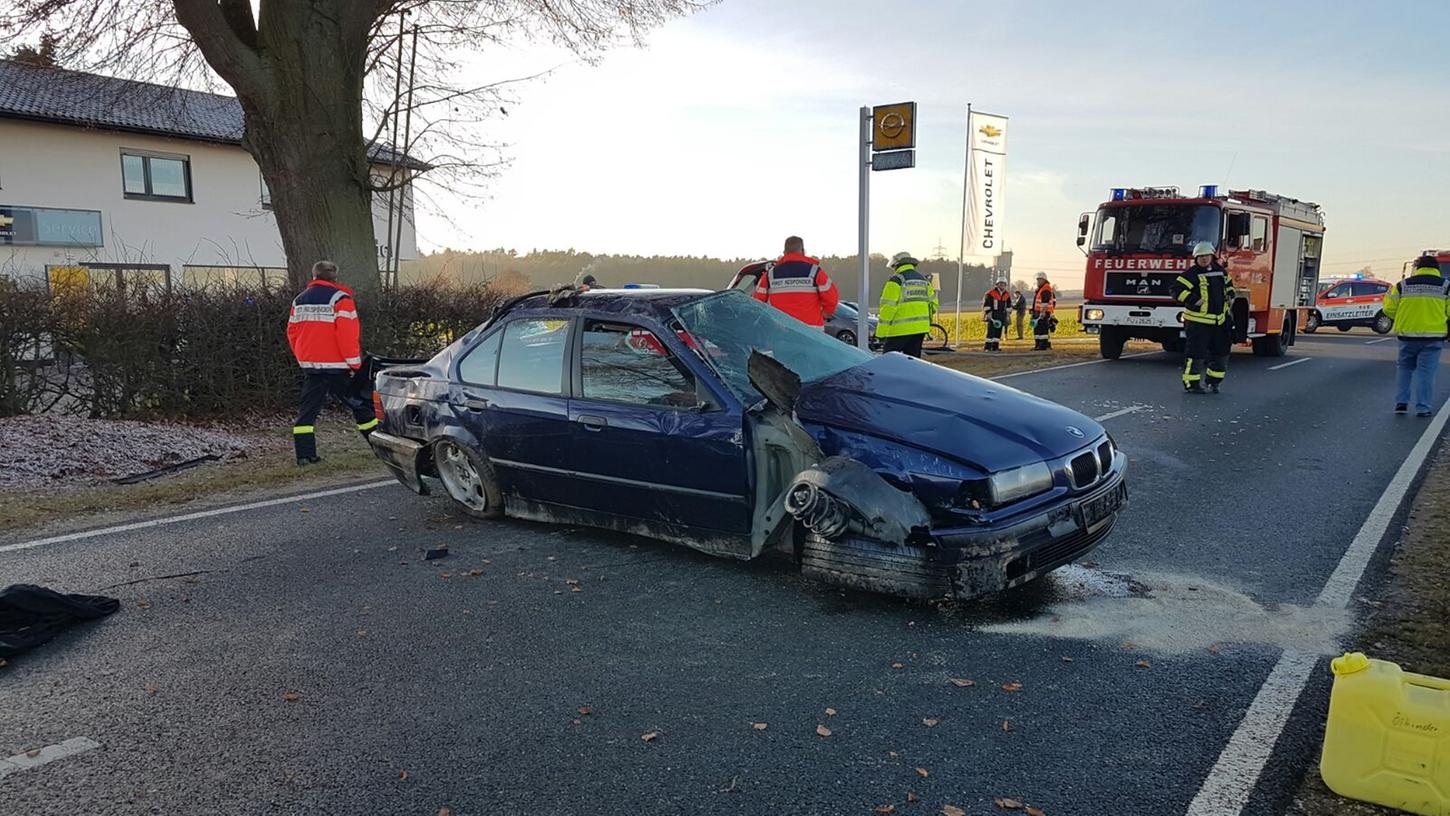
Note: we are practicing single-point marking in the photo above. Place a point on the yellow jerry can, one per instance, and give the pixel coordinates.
(1388, 736)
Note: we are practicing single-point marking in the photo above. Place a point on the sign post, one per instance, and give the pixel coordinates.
(888, 142)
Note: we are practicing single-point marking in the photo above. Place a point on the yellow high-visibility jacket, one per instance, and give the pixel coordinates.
(1420, 305)
(908, 304)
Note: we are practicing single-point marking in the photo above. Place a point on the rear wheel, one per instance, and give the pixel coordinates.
(1383, 324)
(1174, 346)
(846, 336)
(1110, 342)
(1276, 345)
(1344, 327)
(1311, 323)
(937, 337)
(468, 479)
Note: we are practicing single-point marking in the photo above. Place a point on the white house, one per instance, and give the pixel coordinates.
(138, 182)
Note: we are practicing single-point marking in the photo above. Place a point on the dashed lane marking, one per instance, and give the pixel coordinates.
(50, 753)
(1226, 790)
(1290, 363)
(1381, 340)
(1120, 412)
(220, 511)
(1069, 365)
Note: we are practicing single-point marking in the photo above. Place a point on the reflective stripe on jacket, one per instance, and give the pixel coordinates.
(1044, 300)
(797, 285)
(323, 329)
(1206, 294)
(1420, 305)
(908, 304)
(997, 304)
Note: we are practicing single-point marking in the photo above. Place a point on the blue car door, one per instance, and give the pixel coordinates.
(650, 440)
(510, 394)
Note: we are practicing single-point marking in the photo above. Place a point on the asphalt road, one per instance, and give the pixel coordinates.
(421, 685)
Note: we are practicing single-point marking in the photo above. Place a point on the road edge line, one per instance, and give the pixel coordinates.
(1071, 365)
(1231, 782)
(200, 514)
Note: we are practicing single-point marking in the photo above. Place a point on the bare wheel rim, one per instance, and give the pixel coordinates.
(460, 477)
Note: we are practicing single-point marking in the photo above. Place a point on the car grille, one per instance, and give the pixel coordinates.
(1057, 553)
(1105, 456)
(1084, 469)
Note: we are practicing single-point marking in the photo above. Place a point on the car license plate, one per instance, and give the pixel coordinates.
(1135, 320)
(1096, 509)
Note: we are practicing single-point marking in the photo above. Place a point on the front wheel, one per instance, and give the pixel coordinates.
(937, 337)
(1344, 327)
(1312, 322)
(1383, 324)
(468, 478)
(846, 336)
(1110, 342)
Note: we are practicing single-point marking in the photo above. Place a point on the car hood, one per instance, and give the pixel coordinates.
(982, 423)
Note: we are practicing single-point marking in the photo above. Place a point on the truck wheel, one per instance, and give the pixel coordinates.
(1311, 323)
(1383, 324)
(1110, 342)
(1174, 346)
(468, 478)
(1275, 345)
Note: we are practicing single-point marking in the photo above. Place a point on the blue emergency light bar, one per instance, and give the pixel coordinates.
(1208, 191)
(1120, 193)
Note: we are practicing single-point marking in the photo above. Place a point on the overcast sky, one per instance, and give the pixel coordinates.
(737, 126)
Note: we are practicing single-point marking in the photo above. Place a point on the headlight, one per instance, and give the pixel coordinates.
(1093, 314)
(1019, 483)
(1180, 317)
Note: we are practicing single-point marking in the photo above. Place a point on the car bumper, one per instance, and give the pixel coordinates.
(403, 456)
(968, 561)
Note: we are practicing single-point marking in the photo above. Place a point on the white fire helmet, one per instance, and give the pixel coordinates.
(1202, 248)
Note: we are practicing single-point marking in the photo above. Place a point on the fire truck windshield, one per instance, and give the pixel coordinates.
(1158, 228)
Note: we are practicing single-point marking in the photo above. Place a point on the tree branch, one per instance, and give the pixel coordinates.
(225, 52)
(238, 16)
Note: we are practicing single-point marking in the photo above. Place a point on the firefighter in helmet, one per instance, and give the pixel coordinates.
(1207, 294)
(1044, 304)
(907, 306)
(996, 311)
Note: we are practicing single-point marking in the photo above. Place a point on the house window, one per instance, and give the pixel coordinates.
(156, 176)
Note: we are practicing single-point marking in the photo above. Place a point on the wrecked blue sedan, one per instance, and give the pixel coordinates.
(716, 422)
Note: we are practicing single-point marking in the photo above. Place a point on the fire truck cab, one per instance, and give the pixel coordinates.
(1140, 240)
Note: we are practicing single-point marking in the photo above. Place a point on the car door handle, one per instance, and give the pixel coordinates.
(591, 422)
(475, 404)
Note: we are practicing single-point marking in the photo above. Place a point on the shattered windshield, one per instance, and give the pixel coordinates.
(728, 325)
(1157, 227)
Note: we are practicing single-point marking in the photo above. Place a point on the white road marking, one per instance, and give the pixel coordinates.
(1069, 365)
(1290, 363)
(1120, 412)
(1228, 786)
(50, 753)
(1381, 340)
(220, 511)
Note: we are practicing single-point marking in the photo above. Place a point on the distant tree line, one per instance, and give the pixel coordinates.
(544, 268)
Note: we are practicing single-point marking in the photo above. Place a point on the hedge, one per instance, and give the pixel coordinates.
(193, 353)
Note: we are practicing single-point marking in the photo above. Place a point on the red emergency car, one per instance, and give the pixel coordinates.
(1351, 302)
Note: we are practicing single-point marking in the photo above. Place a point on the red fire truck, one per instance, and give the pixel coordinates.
(1441, 255)
(1141, 239)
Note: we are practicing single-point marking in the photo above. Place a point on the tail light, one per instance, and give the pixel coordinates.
(378, 406)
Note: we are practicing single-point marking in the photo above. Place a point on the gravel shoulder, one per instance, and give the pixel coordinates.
(1409, 621)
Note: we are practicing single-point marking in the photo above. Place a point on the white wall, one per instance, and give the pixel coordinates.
(45, 165)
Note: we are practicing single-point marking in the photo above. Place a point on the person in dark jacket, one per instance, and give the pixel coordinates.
(1207, 295)
(996, 309)
(1019, 306)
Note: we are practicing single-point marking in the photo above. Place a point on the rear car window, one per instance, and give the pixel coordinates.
(531, 357)
(480, 364)
(626, 363)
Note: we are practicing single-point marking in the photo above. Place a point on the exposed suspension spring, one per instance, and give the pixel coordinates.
(820, 512)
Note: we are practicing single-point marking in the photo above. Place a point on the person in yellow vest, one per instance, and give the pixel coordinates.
(907, 307)
(1420, 307)
(1207, 294)
(1044, 304)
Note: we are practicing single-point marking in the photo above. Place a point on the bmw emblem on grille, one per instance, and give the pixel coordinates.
(1076, 432)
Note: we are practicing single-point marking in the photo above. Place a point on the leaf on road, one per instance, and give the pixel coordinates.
(885, 809)
(403, 775)
(930, 722)
(572, 581)
(1006, 725)
(823, 731)
(898, 665)
(1129, 645)
(1213, 649)
(143, 604)
(443, 811)
(1066, 659)
(952, 810)
(759, 726)
(1143, 664)
(1032, 811)
(3, 662)
(1011, 687)
(585, 710)
(362, 633)
(923, 773)
(650, 736)
(962, 682)
(151, 688)
(912, 797)
(474, 573)
(304, 509)
(290, 696)
(830, 712)
(1009, 804)
(445, 575)
(891, 754)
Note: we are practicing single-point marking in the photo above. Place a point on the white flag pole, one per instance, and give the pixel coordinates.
(962, 247)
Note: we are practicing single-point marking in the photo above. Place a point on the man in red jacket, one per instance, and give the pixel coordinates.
(797, 285)
(324, 335)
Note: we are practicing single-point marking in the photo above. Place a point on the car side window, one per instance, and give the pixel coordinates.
(531, 356)
(1369, 289)
(625, 363)
(1342, 290)
(480, 364)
